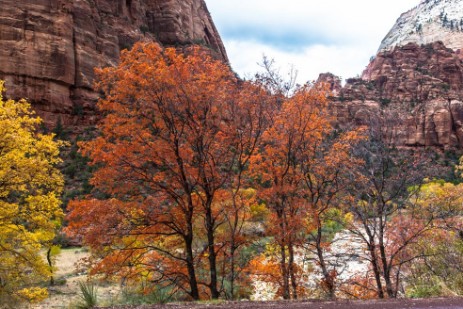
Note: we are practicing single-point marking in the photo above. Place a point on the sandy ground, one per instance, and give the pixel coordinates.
(67, 277)
(66, 293)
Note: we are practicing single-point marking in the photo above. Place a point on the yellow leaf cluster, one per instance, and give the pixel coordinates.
(30, 211)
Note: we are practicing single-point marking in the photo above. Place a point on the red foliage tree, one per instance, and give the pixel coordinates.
(177, 134)
(302, 169)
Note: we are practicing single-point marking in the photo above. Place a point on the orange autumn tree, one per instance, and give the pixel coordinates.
(177, 133)
(276, 167)
(236, 223)
(304, 169)
(330, 172)
(253, 108)
(298, 121)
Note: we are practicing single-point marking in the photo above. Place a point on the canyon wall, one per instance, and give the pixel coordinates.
(49, 48)
(417, 90)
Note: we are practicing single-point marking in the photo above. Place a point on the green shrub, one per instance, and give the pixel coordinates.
(144, 29)
(384, 101)
(88, 296)
(134, 297)
(425, 289)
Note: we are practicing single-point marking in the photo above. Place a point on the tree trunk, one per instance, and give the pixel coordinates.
(284, 271)
(50, 264)
(292, 269)
(211, 251)
(328, 278)
(385, 264)
(376, 270)
(282, 244)
(387, 273)
(232, 270)
(194, 291)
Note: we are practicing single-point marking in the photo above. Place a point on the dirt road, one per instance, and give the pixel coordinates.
(434, 303)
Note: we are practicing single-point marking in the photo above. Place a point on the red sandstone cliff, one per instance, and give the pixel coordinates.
(419, 87)
(49, 48)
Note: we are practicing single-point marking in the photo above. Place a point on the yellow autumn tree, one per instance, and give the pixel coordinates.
(30, 213)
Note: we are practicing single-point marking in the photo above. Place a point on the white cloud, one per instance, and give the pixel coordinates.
(315, 36)
(344, 61)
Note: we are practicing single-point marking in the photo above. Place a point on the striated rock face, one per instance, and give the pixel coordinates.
(414, 86)
(419, 88)
(49, 48)
(430, 21)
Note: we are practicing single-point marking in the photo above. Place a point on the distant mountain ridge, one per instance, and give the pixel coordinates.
(430, 21)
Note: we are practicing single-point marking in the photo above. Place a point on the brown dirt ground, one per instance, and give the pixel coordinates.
(435, 303)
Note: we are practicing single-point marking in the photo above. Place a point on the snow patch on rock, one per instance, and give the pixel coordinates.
(430, 21)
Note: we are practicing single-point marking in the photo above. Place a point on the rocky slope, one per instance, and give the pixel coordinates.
(416, 92)
(48, 48)
(430, 21)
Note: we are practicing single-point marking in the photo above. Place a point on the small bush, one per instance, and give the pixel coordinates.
(88, 296)
(161, 295)
(425, 290)
(384, 101)
(144, 29)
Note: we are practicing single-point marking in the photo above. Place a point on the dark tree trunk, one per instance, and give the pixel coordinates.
(50, 264)
(211, 251)
(376, 270)
(194, 291)
(385, 264)
(328, 278)
(232, 270)
(292, 270)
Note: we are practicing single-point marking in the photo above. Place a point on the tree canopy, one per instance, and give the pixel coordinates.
(30, 213)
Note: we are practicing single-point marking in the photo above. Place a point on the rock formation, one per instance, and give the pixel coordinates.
(430, 21)
(49, 48)
(414, 85)
(418, 89)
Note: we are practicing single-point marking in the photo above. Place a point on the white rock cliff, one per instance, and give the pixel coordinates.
(430, 21)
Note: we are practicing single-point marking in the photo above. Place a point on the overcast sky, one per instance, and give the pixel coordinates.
(314, 36)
